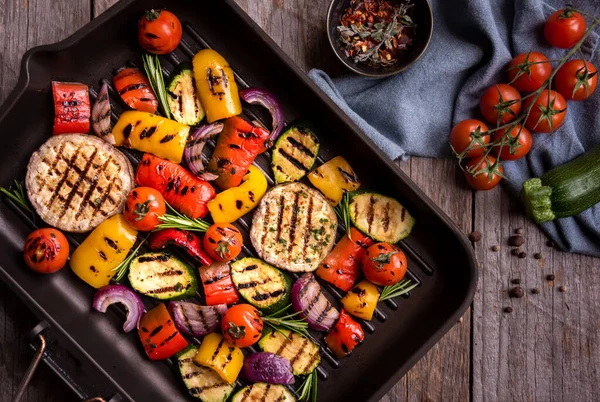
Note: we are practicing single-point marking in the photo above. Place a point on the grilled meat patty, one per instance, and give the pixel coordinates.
(76, 181)
(294, 227)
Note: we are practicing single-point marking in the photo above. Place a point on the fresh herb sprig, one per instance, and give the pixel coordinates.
(308, 389)
(155, 76)
(398, 289)
(16, 193)
(342, 210)
(123, 267)
(280, 320)
(177, 220)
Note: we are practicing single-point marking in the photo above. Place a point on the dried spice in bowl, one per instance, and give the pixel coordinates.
(376, 32)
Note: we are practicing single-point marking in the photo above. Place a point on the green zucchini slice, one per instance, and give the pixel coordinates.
(183, 101)
(302, 353)
(294, 153)
(162, 276)
(262, 392)
(201, 382)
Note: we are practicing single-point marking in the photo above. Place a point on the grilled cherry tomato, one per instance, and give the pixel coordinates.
(383, 264)
(223, 241)
(486, 179)
(527, 77)
(159, 31)
(242, 325)
(548, 112)
(576, 80)
(143, 207)
(158, 334)
(514, 148)
(466, 132)
(564, 28)
(501, 103)
(46, 250)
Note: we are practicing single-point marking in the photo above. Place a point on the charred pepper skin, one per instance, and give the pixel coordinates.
(182, 238)
(345, 335)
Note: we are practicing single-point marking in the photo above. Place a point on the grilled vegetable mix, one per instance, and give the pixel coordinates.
(295, 229)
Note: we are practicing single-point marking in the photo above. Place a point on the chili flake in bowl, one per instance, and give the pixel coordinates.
(379, 37)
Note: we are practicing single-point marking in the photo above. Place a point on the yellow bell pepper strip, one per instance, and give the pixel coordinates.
(334, 178)
(225, 359)
(230, 205)
(103, 250)
(216, 86)
(151, 133)
(361, 300)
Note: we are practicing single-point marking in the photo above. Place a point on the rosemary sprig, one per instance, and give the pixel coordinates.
(16, 192)
(308, 389)
(398, 289)
(157, 82)
(123, 267)
(177, 220)
(278, 321)
(342, 210)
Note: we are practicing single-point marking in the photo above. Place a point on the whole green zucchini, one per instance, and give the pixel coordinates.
(566, 190)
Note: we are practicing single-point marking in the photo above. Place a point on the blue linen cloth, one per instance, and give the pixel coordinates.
(473, 40)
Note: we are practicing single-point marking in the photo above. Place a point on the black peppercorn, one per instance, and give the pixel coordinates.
(537, 256)
(516, 281)
(475, 236)
(516, 241)
(551, 277)
(535, 291)
(508, 309)
(516, 292)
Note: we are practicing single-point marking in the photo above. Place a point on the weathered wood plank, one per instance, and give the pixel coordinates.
(547, 349)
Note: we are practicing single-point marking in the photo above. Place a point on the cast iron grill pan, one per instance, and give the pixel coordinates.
(402, 330)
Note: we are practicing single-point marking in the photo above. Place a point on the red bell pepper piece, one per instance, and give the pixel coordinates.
(135, 90)
(341, 267)
(182, 238)
(71, 107)
(181, 189)
(158, 334)
(217, 283)
(345, 335)
(237, 146)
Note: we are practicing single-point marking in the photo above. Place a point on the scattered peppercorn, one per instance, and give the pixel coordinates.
(550, 243)
(516, 241)
(551, 277)
(508, 309)
(475, 236)
(516, 292)
(535, 291)
(496, 248)
(562, 289)
(537, 256)
(515, 251)
(519, 231)
(522, 254)
(516, 281)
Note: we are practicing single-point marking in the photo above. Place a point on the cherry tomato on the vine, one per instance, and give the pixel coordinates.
(242, 325)
(383, 264)
(564, 28)
(516, 145)
(223, 241)
(46, 250)
(576, 80)
(483, 173)
(500, 104)
(143, 207)
(548, 112)
(159, 31)
(528, 71)
(468, 132)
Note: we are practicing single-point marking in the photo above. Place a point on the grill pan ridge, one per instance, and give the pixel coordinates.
(402, 330)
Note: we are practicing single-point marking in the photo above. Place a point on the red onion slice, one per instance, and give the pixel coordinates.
(101, 116)
(195, 145)
(309, 300)
(267, 367)
(196, 320)
(111, 294)
(266, 99)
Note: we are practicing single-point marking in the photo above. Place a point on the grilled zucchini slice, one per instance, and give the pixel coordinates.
(263, 392)
(294, 154)
(380, 217)
(260, 284)
(162, 276)
(302, 353)
(183, 101)
(201, 382)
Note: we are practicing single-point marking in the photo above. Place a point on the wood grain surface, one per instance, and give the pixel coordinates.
(546, 349)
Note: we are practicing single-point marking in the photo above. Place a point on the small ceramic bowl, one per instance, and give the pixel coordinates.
(422, 17)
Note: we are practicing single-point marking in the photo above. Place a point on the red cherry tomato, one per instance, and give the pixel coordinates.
(242, 325)
(466, 132)
(527, 77)
(548, 112)
(143, 207)
(159, 31)
(500, 104)
(564, 28)
(514, 148)
(576, 80)
(486, 179)
(383, 264)
(46, 250)
(223, 241)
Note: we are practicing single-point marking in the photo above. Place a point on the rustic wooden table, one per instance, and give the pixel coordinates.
(546, 349)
